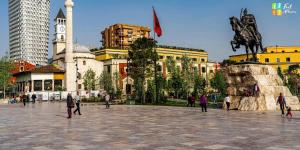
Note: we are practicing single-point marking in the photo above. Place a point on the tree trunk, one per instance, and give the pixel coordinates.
(4, 90)
(143, 91)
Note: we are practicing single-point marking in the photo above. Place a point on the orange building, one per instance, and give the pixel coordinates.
(122, 35)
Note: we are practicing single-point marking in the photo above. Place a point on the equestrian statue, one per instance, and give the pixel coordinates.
(246, 33)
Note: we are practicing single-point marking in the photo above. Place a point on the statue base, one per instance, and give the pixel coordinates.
(241, 79)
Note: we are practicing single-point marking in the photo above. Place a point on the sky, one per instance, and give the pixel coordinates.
(202, 24)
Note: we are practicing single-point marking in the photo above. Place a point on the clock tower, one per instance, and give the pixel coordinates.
(59, 42)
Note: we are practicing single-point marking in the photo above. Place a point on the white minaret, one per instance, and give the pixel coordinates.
(70, 75)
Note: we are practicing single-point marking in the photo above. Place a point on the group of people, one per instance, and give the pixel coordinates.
(70, 103)
(25, 98)
(282, 103)
(202, 101)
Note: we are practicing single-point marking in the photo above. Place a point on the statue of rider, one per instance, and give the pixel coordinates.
(249, 22)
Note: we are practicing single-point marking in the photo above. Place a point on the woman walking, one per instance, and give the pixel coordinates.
(203, 102)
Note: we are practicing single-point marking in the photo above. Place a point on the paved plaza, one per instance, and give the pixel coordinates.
(44, 126)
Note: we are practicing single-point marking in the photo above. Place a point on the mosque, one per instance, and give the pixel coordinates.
(71, 61)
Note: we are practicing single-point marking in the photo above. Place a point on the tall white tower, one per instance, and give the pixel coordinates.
(29, 30)
(59, 42)
(70, 75)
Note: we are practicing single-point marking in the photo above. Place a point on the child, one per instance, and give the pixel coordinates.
(289, 113)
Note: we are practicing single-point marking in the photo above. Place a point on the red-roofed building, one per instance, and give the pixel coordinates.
(21, 66)
(44, 78)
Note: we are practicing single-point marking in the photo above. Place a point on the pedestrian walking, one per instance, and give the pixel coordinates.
(193, 100)
(70, 105)
(289, 113)
(282, 103)
(203, 102)
(189, 101)
(227, 100)
(24, 97)
(107, 98)
(255, 89)
(33, 97)
(77, 100)
(214, 97)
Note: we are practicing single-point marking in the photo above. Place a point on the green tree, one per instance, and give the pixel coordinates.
(6, 66)
(89, 79)
(141, 58)
(117, 87)
(294, 83)
(175, 80)
(105, 81)
(187, 75)
(279, 72)
(228, 62)
(171, 65)
(218, 82)
(293, 69)
(199, 83)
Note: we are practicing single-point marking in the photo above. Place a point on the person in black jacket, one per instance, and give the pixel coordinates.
(33, 97)
(70, 105)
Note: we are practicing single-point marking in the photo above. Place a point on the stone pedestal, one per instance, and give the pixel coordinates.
(243, 77)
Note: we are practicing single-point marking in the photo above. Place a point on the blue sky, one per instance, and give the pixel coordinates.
(187, 23)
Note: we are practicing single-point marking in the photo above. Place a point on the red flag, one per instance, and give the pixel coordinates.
(157, 28)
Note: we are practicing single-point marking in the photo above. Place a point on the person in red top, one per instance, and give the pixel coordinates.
(289, 113)
(281, 101)
(193, 100)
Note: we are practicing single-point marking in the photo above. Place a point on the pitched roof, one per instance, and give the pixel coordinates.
(47, 69)
(60, 14)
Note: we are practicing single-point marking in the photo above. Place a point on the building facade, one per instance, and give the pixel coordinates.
(276, 56)
(44, 78)
(115, 60)
(29, 30)
(122, 35)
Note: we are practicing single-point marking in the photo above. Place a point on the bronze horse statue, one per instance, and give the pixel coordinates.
(243, 36)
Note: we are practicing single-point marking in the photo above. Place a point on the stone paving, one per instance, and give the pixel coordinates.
(44, 126)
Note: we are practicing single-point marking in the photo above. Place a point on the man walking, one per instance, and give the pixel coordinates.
(33, 97)
(107, 98)
(70, 105)
(77, 98)
(227, 100)
(24, 97)
(282, 103)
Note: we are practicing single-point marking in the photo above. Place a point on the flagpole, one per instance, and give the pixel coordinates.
(155, 62)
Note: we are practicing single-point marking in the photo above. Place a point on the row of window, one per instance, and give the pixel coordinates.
(288, 59)
(38, 85)
(283, 51)
(179, 58)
